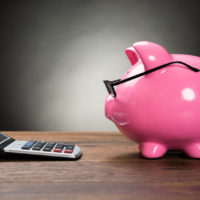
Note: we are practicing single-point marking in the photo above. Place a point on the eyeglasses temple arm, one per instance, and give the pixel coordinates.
(152, 70)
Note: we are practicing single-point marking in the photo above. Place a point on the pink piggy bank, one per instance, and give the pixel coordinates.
(157, 102)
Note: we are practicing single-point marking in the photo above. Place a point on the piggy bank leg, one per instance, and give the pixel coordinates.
(193, 150)
(153, 150)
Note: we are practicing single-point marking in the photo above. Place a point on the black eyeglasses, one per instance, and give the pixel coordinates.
(110, 84)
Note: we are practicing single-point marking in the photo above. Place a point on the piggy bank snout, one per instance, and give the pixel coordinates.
(109, 107)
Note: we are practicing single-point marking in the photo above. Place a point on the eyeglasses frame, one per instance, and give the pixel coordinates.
(110, 84)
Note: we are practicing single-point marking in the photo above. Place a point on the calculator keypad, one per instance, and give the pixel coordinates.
(51, 146)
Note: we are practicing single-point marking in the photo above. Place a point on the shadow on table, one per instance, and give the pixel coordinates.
(27, 158)
(173, 160)
(172, 155)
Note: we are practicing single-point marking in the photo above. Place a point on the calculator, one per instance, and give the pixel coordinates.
(39, 148)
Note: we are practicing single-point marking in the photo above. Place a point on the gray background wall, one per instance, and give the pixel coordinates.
(55, 54)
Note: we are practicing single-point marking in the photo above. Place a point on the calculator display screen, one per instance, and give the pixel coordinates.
(3, 137)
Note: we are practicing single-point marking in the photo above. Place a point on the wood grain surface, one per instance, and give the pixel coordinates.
(110, 168)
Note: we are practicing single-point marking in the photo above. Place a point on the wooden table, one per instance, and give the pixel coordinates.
(110, 168)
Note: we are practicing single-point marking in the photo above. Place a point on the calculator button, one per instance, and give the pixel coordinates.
(49, 146)
(29, 144)
(59, 147)
(39, 146)
(57, 150)
(69, 148)
(67, 151)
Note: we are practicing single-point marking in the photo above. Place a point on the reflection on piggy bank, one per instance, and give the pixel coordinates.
(160, 110)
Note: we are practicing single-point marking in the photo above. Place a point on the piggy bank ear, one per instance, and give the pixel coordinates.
(132, 55)
(152, 54)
